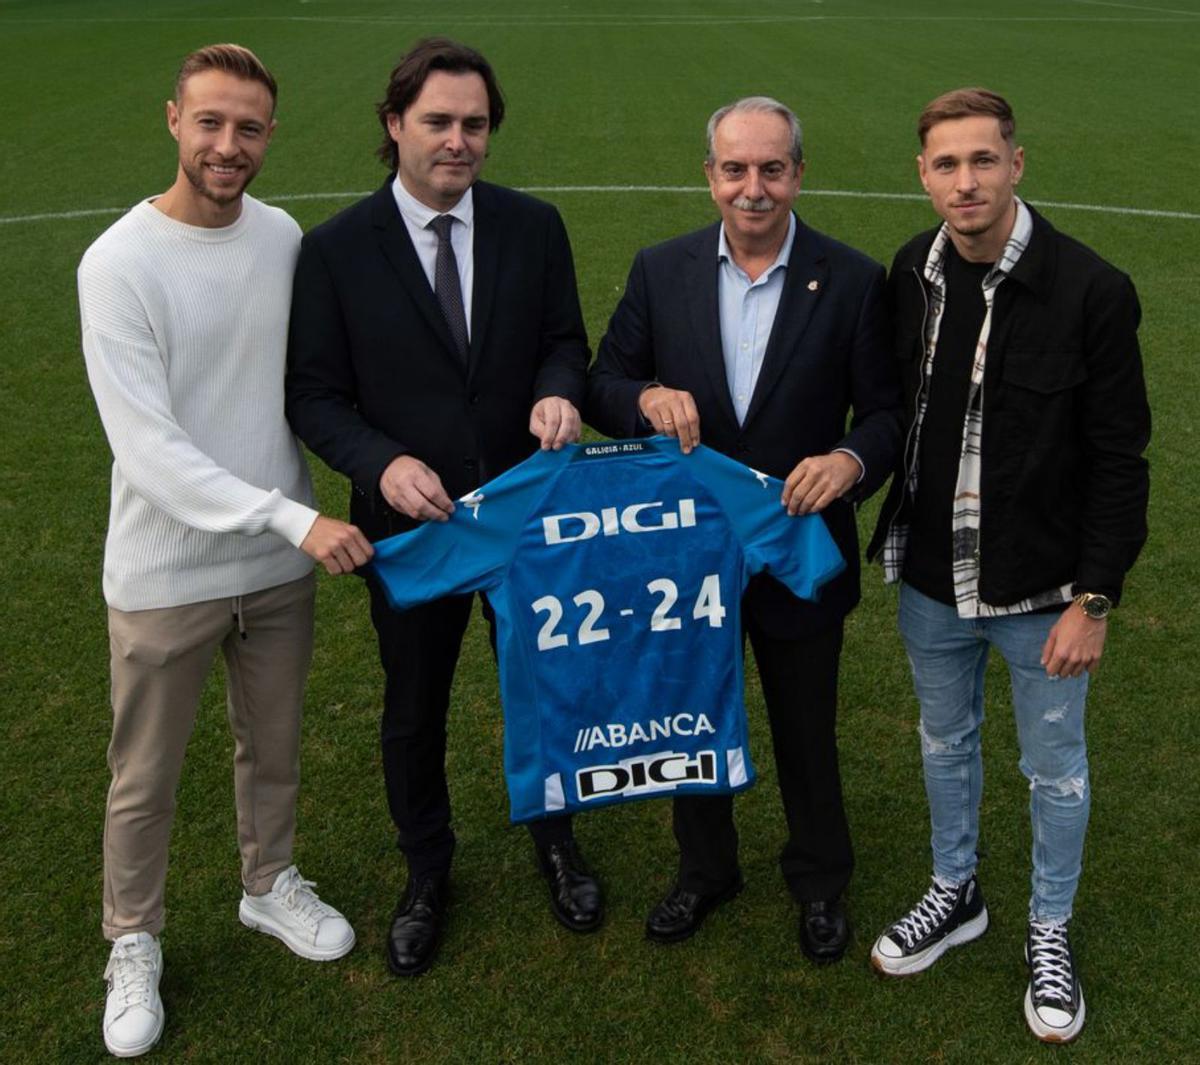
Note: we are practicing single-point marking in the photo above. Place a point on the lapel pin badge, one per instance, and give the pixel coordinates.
(814, 285)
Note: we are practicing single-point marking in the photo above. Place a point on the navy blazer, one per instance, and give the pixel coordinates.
(827, 355)
(372, 369)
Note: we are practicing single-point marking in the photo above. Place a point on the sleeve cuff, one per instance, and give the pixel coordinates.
(862, 466)
(642, 419)
(292, 521)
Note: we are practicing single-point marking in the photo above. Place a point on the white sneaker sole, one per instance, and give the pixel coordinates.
(136, 1050)
(922, 960)
(260, 922)
(1053, 1035)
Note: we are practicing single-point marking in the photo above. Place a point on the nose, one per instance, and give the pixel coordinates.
(455, 141)
(754, 184)
(965, 179)
(226, 143)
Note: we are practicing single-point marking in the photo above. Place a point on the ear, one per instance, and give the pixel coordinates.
(710, 178)
(173, 118)
(1018, 164)
(799, 177)
(395, 123)
(921, 171)
(271, 130)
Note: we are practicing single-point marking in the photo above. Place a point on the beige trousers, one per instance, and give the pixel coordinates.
(160, 660)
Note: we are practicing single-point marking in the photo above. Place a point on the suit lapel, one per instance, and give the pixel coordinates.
(704, 316)
(804, 283)
(398, 249)
(487, 269)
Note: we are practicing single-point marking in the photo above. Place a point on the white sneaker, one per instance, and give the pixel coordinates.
(291, 911)
(133, 1011)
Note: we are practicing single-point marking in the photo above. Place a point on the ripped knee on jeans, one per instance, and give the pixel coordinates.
(1062, 787)
(933, 745)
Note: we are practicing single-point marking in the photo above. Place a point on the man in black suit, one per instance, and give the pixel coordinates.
(766, 333)
(436, 340)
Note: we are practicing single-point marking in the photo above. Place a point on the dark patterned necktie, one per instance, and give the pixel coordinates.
(446, 284)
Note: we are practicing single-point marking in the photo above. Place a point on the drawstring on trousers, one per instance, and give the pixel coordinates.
(237, 615)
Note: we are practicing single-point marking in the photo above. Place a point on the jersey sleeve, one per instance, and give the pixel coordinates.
(796, 550)
(473, 550)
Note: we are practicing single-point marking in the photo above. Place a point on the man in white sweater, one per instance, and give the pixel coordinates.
(211, 539)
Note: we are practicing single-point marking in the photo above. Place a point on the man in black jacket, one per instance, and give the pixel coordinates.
(436, 340)
(1019, 506)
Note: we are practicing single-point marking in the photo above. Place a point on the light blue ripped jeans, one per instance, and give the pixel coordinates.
(948, 655)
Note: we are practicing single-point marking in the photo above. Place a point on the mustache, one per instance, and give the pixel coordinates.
(762, 205)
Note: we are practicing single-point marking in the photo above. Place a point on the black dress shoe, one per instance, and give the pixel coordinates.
(574, 891)
(824, 930)
(681, 913)
(416, 928)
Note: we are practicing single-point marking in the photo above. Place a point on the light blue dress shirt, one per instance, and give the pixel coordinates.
(747, 309)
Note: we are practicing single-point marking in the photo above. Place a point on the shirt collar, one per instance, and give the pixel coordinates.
(1018, 241)
(420, 215)
(785, 252)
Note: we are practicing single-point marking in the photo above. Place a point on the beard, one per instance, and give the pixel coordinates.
(198, 178)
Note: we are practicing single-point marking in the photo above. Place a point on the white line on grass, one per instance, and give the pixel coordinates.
(1138, 7)
(851, 194)
(600, 20)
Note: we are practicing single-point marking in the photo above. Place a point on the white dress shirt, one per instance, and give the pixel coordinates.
(417, 217)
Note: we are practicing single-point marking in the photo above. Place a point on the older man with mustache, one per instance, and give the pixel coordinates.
(766, 333)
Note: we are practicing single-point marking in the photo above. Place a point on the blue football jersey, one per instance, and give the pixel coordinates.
(616, 573)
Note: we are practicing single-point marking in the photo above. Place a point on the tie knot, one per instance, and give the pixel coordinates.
(441, 226)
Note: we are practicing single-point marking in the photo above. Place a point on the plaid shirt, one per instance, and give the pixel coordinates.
(965, 515)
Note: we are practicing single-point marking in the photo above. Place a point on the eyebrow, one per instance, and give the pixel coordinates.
(743, 162)
(446, 116)
(976, 153)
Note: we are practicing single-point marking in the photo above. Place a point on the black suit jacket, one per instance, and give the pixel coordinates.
(827, 354)
(373, 372)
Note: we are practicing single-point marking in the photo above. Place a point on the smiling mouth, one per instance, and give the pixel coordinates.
(223, 169)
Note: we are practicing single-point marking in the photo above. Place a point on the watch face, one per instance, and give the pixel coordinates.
(1096, 606)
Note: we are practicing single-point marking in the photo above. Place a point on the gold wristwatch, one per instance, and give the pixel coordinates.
(1094, 605)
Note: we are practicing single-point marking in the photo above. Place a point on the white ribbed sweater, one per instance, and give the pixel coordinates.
(185, 338)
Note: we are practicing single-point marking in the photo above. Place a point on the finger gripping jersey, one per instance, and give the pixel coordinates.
(616, 573)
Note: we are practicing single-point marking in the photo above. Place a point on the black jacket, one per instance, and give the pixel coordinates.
(373, 372)
(1064, 486)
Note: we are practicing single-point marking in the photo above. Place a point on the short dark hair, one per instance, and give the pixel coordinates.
(408, 79)
(962, 103)
(230, 59)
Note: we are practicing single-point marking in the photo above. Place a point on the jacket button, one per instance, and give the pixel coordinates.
(473, 398)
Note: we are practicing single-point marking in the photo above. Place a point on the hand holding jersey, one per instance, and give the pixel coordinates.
(616, 572)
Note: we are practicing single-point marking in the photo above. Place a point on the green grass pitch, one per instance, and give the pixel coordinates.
(600, 95)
